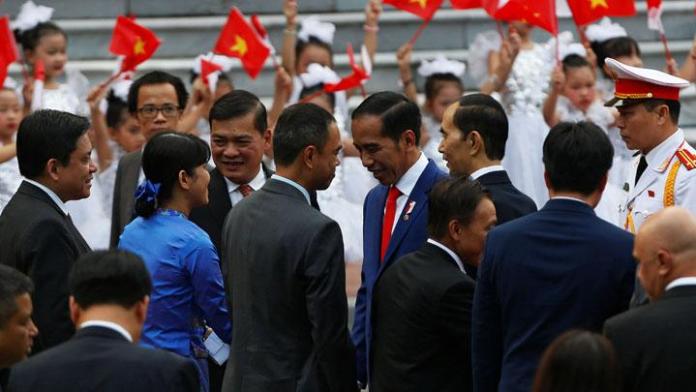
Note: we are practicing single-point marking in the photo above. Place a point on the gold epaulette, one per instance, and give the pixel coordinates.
(687, 158)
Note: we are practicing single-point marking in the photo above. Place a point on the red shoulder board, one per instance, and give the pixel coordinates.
(687, 158)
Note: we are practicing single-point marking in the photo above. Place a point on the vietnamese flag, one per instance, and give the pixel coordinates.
(588, 11)
(133, 41)
(540, 13)
(239, 39)
(424, 9)
(354, 80)
(489, 5)
(8, 50)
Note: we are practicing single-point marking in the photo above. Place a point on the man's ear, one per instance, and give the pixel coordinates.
(476, 143)
(663, 114)
(408, 137)
(74, 310)
(53, 169)
(665, 263)
(309, 154)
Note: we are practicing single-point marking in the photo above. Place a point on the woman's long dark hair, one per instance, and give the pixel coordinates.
(166, 155)
(578, 361)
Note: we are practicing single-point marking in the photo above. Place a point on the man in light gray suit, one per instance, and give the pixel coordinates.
(157, 100)
(286, 277)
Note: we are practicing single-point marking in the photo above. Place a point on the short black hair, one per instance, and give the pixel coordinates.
(109, 277)
(319, 90)
(29, 39)
(164, 156)
(156, 77)
(573, 61)
(435, 82)
(115, 109)
(12, 284)
(673, 106)
(398, 113)
(453, 198)
(299, 126)
(613, 48)
(577, 156)
(236, 104)
(45, 135)
(578, 361)
(482, 113)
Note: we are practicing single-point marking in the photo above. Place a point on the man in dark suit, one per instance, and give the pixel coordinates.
(17, 330)
(386, 132)
(109, 295)
(474, 133)
(422, 335)
(239, 135)
(553, 270)
(655, 343)
(157, 100)
(286, 277)
(37, 236)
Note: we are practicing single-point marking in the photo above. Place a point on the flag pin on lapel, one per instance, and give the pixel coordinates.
(651, 193)
(409, 210)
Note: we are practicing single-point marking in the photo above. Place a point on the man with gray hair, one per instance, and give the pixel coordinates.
(655, 343)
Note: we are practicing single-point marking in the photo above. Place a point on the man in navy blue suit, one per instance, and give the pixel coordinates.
(553, 270)
(474, 132)
(386, 132)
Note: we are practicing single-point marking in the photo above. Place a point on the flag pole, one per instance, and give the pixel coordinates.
(668, 53)
(418, 32)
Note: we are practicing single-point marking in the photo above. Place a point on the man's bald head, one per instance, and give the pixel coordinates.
(665, 248)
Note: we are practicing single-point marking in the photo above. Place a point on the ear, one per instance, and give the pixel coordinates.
(476, 142)
(74, 310)
(663, 114)
(53, 169)
(141, 309)
(267, 138)
(665, 263)
(184, 180)
(409, 138)
(29, 56)
(309, 155)
(455, 230)
(547, 180)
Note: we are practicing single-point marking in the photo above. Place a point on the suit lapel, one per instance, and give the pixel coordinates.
(219, 203)
(373, 226)
(130, 183)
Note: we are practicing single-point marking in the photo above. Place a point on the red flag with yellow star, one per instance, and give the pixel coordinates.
(8, 50)
(424, 9)
(588, 11)
(239, 39)
(133, 41)
(540, 13)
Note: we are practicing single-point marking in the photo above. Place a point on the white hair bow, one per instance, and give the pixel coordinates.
(604, 30)
(441, 65)
(318, 74)
(313, 27)
(30, 15)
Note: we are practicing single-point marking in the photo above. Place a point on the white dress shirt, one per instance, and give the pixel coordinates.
(485, 170)
(449, 252)
(406, 184)
(50, 194)
(687, 281)
(293, 184)
(110, 325)
(233, 189)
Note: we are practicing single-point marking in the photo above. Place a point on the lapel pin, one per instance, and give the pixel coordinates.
(409, 210)
(651, 193)
(626, 187)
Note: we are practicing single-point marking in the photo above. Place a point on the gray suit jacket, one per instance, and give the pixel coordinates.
(124, 189)
(286, 289)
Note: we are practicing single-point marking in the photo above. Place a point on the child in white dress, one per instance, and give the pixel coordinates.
(10, 117)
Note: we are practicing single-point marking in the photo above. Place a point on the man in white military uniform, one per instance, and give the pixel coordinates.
(663, 172)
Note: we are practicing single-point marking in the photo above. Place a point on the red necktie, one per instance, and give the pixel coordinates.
(388, 222)
(245, 190)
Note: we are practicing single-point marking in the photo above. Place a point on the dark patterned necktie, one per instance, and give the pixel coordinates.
(642, 165)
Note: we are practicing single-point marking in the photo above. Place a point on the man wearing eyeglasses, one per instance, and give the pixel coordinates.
(156, 100)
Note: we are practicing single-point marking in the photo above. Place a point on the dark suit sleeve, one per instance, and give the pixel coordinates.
(186, 378)
(358, 332)
(116, 207)
(327, 308)
(454, 313)
(486, 331)
(50, 254)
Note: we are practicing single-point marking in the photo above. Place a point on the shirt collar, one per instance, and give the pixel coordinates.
(449, 252)
(256, 183)
(50, 194)
(408, 181)
(687, 281)
(110, 325)
(294, 184)
(664, 150)
(485, 170)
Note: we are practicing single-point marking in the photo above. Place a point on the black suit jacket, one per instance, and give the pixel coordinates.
(655, 343)
(99, 359)
(421, 320)
(123, 207)
(38, 239)
(286, 289)
(509, 202)
(211, 217)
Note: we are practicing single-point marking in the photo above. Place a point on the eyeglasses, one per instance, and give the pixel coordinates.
(149, 112)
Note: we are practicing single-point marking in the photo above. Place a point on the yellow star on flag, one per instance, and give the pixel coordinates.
(421, 3)
(139, 46)
(598, 3)
(240, 46)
